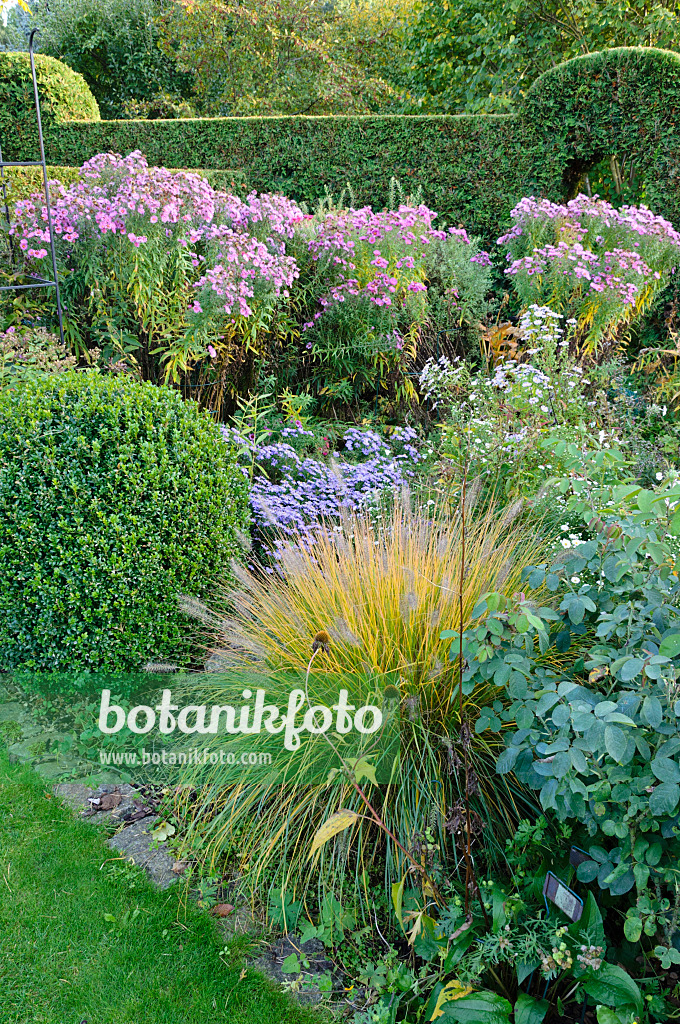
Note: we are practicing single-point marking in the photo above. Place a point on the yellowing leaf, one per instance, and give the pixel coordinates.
(452, 990)
(337, 822)
(163, 832)
(398, 899)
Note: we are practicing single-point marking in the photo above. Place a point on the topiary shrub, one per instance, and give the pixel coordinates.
(622, 103)
(64, 96)
(115, 497)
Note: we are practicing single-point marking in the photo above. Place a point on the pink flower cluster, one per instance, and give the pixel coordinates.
(577, 213)
(587, 246)
(342, 231)
(113, 192)
(123, 196)
(243, 263)
(599, 270)
(375, 255)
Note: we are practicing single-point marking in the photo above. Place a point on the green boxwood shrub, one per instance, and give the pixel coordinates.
(64, 96)
(115, 497)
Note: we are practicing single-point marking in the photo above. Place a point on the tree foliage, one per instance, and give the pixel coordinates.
(114, 46)
(287, 56)
(477, 57)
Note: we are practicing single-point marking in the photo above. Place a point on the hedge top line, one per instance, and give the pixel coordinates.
(472, 168)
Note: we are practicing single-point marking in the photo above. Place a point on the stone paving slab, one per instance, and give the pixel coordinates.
(135, 842)
(74, 794)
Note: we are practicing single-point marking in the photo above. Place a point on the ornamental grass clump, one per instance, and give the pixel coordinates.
(590, 261)
(381, 594)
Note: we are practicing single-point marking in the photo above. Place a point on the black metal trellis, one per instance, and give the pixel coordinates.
(37, 282)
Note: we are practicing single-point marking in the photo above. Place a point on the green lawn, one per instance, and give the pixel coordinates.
(61, 962)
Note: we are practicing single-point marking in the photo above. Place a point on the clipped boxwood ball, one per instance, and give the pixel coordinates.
(115, 497)
(64, 96)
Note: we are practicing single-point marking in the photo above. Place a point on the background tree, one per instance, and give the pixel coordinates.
(481, 57)
(114, 46)
(285, 56)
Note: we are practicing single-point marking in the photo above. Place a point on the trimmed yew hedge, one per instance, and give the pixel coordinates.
(472, 169)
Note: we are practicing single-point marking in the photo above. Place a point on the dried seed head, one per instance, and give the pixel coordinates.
(321, 642)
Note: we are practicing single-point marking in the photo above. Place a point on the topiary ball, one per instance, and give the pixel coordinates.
(115, 498)
(64, 96)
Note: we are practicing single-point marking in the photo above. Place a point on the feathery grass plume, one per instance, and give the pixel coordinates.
(196, 609)
(244, 540)
(474, 490)
(159, 667)
(512, 511)
(343, 633)
(388, 649)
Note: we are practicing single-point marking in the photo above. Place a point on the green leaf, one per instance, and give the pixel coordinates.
(615, 741)
(664, 799)
(665, 769)
(506, 760)
(529, 1010)
(587, 871)
(614, 987)
(670, 645)
(576, 611)
(652, 712)
(398, 900)
(291, 964)
(478, 1008)
(546, 702)
(645, 501)
(631, 668)
(632, 929)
